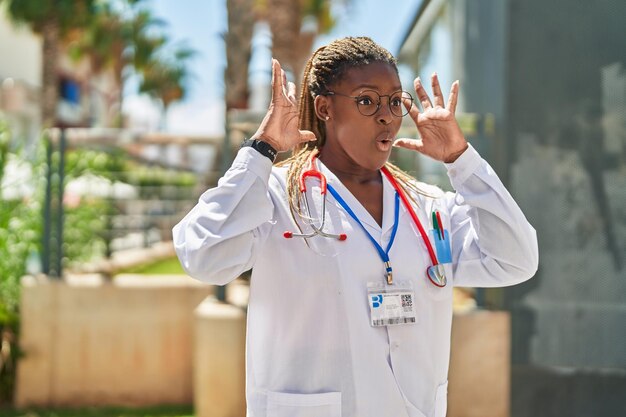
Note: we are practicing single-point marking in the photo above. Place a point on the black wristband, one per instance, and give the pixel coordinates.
(263, 148)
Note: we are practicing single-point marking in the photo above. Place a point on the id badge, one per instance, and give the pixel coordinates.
(391, 305)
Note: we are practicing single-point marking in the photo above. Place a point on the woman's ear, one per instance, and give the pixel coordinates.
(322, 107)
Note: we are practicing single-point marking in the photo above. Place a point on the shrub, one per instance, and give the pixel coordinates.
(20, 232)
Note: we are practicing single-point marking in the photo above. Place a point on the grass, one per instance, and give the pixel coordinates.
(161, 411)
(170, 266)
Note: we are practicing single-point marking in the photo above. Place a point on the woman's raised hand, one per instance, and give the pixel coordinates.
(279, 127)
(441, 137)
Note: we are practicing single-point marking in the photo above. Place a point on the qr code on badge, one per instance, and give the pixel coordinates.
(407, 300)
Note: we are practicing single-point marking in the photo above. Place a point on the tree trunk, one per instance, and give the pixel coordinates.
(118, 74)
(238, 52)
(290, 45)
(284, 19)
(50, 76)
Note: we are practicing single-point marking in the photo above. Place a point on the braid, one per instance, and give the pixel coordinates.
(308, 120)
(327, 66)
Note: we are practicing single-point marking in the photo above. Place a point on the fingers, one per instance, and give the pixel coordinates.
(454, 96)
(411, 144)
(438, 95)
(438, 100)
(412, 108)
(282, 89)
(277, 74)
(284, 80)
(421, 94)
(291, 92)
(307, 136)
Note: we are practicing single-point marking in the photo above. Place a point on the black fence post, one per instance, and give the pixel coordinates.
(59, 237)
(47, 208)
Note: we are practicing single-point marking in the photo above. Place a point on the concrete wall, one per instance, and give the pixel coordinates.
(219, 371)
(147, 341)
(479, 377)
(95, 342)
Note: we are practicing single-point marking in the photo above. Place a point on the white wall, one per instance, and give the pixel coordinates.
(20, 52)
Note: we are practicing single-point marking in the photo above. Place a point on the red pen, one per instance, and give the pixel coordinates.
(443, 235)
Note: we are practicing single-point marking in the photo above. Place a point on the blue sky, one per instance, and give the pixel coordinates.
(201, 23)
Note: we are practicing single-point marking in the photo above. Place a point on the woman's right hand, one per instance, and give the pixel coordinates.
(279, 127)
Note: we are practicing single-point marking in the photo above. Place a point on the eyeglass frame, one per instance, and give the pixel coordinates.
(356, 98)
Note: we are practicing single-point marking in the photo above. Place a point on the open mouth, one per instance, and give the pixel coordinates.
(384, 141)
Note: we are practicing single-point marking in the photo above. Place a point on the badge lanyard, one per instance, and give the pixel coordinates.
(434, 272)
(384, 254)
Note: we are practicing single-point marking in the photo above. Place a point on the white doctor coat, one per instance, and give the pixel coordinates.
(311, 350)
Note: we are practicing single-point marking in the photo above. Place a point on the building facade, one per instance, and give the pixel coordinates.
(551, 77)
(85, 99)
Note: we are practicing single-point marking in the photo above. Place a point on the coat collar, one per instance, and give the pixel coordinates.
(364, 216)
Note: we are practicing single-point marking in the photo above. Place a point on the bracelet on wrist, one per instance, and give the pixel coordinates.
(262, 147)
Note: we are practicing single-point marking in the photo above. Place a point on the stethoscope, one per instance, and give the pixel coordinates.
(312, 171)
(434, 272)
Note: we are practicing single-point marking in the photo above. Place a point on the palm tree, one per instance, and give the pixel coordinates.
(164, 77)
(238, 52)
(290, 45)
(238, 39)
(53, 19)
(284, 18)
(119, 40)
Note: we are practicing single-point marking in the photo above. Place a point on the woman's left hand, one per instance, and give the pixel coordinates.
(441, 136)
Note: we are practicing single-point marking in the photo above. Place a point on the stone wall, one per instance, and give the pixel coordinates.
(96, 342)
(160, 340)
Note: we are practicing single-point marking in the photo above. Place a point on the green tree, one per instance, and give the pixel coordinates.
(20, 227)
(289, 45)
(54, 20)
(120, 39)
(164, 77)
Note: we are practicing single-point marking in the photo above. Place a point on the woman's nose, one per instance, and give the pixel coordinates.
(384, 115)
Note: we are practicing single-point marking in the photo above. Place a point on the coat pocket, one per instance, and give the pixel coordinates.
(282, 404)
(441, 400)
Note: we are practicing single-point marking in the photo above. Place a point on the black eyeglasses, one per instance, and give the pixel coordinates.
(368, 102)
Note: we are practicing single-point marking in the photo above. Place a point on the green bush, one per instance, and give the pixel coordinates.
(112, 164)
(20, 232)
(85, 222)
(21, 227)
(85, 231)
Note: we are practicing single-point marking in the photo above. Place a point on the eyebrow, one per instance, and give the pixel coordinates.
(372, 87)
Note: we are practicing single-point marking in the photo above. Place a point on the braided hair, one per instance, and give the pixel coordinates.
(327, 66)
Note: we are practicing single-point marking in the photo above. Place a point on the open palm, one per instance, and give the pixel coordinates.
(279, 127)
(440, 135)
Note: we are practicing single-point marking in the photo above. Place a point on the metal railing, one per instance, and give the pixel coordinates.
(144, 217)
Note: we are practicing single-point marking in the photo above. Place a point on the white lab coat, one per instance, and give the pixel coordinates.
(311, 350)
